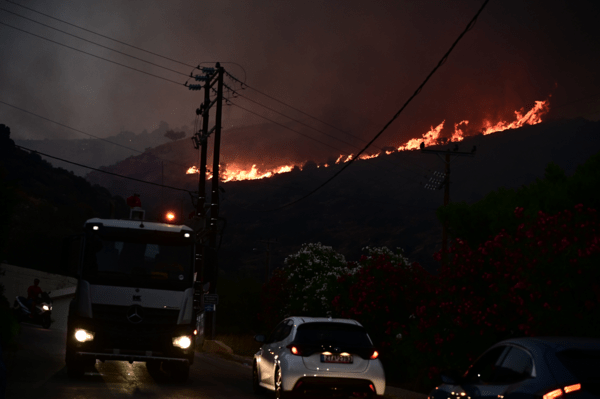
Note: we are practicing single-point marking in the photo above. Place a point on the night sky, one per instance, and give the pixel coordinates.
(350, 63)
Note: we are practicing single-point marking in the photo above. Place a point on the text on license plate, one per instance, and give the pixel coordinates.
(336, 359)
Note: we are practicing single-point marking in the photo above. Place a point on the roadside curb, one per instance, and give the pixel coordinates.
(399, 393)
(224, 351)
(216, 347)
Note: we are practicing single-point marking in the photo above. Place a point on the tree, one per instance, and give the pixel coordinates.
(475, 223)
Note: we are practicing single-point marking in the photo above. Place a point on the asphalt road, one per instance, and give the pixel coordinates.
(37, 370)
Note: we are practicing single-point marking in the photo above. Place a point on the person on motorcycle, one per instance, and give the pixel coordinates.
(33, 295)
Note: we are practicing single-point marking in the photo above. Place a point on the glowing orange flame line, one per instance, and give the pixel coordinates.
(432, 137)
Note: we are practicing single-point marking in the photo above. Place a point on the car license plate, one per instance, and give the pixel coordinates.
(336, 359)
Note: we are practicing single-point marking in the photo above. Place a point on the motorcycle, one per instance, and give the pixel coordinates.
(42, 314)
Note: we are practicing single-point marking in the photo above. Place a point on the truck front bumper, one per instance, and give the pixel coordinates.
(130, 357)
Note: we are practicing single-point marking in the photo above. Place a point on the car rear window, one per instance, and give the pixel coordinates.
(332, 333)
(583, 364)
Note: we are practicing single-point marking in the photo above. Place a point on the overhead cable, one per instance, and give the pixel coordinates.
(94, 43)
(347, 164)
(87, 134)
(104, 171)
(99, 34)
(122, 42)
(96, 56)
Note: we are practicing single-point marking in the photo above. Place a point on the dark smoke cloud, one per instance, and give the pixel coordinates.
(351, 64)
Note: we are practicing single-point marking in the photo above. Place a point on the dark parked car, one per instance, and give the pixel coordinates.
(541, 368)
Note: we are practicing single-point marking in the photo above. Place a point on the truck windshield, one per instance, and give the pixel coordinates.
(145, 262)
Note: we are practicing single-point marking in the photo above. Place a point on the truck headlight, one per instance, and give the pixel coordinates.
(45, 307)
(182, 342)
(82, 335)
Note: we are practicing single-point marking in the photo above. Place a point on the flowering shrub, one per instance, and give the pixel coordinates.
(538, 280)
(306, 285)
(379, 293)
(542, 278)
(312, 274)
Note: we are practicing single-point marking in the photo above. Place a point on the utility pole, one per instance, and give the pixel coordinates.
(213, 268)
(200, 140)
(446, 184)
(268, 258)
(206, 253)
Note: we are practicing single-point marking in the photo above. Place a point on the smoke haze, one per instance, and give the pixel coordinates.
(351, 64)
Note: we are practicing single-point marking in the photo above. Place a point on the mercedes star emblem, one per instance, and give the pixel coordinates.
(135, 314)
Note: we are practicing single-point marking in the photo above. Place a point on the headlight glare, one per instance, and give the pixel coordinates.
(45, 307)
(82, 335)
(182, 342)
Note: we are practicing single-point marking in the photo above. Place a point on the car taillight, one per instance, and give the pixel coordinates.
(295, 350)
(571, 388)
(559, 392)
(553, 394)
(374, 355)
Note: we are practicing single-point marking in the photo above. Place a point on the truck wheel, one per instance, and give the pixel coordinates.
(180, 371)
(75, 367)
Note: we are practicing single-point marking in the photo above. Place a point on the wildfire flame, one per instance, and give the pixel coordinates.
(533, 117)
(432, 137)
(235, 173)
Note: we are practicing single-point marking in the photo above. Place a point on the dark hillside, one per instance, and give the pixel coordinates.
(94, 152)
(373, 203)
(49, 204)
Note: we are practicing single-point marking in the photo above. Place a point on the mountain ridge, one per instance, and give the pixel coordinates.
(375, 202)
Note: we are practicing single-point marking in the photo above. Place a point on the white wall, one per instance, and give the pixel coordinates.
(17, 279)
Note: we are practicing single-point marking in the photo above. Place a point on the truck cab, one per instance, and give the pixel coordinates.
(135, 297)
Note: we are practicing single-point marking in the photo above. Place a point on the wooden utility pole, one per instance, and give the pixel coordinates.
(447, 159)
(206, 253)
(213, 267)
(268, 258)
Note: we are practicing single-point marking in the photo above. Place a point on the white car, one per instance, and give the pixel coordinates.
(309, 355)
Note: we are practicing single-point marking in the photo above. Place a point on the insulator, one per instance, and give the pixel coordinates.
(207, 70)
(195, 87)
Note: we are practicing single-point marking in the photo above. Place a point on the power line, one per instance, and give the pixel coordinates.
(307, 136)
(97, 44)
(87, 134)
(440, 63)
(124, 43)
(167, 58)
(286, 127)
(237, 93)
(101, 35)
(104, 171)
(90, 54)
(292, 107)
(243, 83)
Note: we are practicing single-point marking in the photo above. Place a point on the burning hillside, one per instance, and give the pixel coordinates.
(236, 172)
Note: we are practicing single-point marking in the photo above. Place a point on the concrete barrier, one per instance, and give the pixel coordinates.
(17, 279)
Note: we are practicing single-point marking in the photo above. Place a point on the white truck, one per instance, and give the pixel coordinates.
(135, 297)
